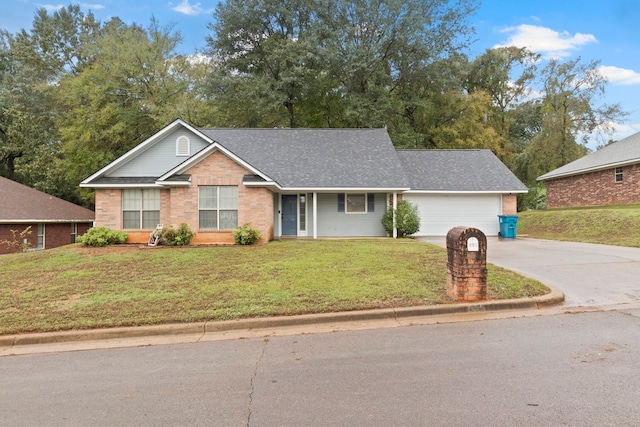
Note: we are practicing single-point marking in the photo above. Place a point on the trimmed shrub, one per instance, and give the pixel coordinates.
(176, 237)
(407, 219)
(245, 235)
(102, 236)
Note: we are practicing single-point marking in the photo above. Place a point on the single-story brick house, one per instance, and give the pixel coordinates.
(295, 182)
(54, 222)
(609, 176)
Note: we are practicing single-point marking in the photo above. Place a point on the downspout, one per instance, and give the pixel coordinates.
(315, 215)
(395, 206)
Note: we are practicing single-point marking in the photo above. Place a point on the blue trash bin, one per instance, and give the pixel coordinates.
(508, 226)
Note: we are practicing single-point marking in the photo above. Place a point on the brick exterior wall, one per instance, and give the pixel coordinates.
(595, 189)
(55, 234)
(180, 204)
(509, 204)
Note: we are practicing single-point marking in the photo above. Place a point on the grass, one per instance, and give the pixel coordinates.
(76, 287)
(610, 225)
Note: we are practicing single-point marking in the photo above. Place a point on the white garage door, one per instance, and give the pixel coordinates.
(440, 213)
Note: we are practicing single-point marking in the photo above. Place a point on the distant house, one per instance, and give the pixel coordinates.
(609, 176)
(54, 222)
(295, 182)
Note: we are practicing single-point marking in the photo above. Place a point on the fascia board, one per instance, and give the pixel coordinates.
(466, 192)
(43, 221)
(156, 185)
(342, 189)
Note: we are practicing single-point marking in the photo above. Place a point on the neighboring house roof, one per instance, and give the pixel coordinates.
(323, 159)
(22, 204)
(468, 170)
(621, 153)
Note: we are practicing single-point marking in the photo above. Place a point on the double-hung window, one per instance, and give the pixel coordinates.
(217, 207)
(140, 208)
(618, 174)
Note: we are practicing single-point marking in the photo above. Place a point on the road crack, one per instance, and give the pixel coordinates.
(253, 378)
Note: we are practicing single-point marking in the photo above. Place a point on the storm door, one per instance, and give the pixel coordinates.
(289, 215)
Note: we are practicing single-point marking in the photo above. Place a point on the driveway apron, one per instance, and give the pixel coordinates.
(588, 274)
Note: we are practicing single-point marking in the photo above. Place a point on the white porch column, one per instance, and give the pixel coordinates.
(395, 206)
(315, 215)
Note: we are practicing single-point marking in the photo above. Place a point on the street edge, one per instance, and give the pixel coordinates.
(554, 297)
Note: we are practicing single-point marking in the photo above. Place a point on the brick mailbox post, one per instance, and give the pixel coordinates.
(467, 264)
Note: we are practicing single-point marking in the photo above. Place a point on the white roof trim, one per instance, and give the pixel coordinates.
(156, 185)
(342, 189)
(466, 192)
(143, 146)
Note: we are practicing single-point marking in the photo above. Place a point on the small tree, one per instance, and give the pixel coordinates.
(18, 241)
(407, 219)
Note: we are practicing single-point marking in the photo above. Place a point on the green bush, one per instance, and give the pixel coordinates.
(176, 237)
(245, 235)
(102, 236)
(407, 219)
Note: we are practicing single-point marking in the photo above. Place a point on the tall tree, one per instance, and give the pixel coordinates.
(28, 140)
(132, 86)
(570, 113)
(375, 47)
(268, 46)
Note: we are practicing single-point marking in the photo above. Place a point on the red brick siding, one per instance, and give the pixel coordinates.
(509, 204)
(595, 189)
(109, 208)
(180, 204)
(55, 234)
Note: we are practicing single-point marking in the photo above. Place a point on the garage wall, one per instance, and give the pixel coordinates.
(439, 213)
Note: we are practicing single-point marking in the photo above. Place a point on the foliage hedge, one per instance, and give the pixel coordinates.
(102, 236)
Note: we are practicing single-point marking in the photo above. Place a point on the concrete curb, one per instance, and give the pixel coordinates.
(553, 298)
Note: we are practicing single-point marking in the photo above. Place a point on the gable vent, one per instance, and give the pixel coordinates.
(183, 146)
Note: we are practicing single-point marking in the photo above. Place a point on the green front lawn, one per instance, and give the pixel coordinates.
(609, 225)
(77, 287)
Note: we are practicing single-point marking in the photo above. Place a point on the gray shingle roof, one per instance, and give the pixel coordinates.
(458, 170)
(624, 152)
(317, 158)
(20, 203)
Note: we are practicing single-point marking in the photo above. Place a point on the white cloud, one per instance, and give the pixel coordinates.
(543, 40)
(50, 7)
(620, 76)
(190, 9)
(94, 6)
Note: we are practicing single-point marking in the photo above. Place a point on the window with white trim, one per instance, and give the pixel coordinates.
(41, 231)
(217, 207)
(140, 208)
(183, 146)
(356, 203)
(74, 232)
(303, 212)
(618, 174)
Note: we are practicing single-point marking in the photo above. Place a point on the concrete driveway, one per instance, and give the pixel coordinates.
(588, 274)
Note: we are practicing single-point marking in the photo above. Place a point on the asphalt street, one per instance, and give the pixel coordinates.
(578, 369)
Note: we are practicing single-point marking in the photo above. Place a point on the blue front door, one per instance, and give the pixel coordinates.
(289, 215)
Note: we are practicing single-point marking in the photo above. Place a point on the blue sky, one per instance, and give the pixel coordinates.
(605, 30)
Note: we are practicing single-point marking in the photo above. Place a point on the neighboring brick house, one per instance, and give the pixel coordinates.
(54, 222)
(609, 176)
(295, 182)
